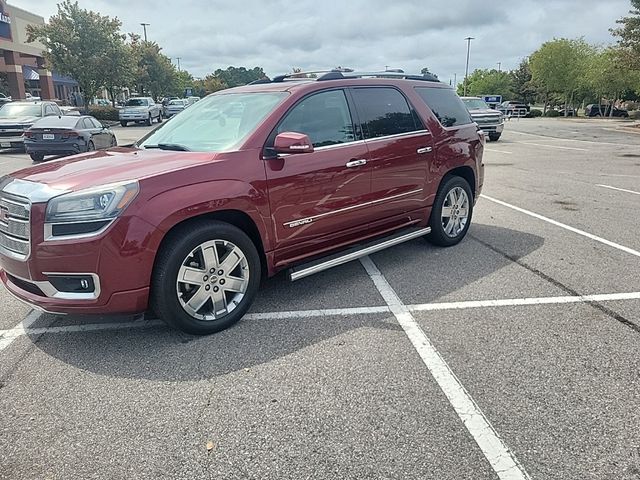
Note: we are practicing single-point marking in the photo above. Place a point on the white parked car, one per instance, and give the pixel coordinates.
(140, 110)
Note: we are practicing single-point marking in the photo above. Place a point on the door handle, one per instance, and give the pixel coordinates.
(424, 150)
(356, 163)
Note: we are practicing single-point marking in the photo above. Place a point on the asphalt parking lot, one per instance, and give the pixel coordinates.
(513, 355)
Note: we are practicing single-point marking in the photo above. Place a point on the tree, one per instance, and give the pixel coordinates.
(121, 65)
(488, 82)
(81, 44)
(154, 73)
(629, 36)
(233, 77)
(523, 88)
(609, 77)
(209, 84)
(426, 71)
(558, 67)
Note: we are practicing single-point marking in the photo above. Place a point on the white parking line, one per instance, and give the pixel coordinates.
(546, 137)
(619, 189)
(566, 227)
(8, 336)
(511, 302)
(554, 146)
(501, 459)
(497, 151)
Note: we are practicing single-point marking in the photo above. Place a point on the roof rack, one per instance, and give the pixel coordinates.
(342, 73)
(336, 75)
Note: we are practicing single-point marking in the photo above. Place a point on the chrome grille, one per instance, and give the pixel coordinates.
(486, 119)
(15, 229)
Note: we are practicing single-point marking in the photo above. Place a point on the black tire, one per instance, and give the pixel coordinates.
(438, 235)
(123, 123)
(160, 117)
(37, 157)
(114, 141)
(175, 250)
(494, 137)
(90, 146)
(149, 121)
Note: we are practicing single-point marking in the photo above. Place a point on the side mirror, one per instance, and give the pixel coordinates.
(292, 142)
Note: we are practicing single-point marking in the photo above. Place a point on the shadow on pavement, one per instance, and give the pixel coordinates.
(159, 353)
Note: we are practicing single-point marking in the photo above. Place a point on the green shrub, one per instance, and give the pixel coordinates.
(104, 113)
(535, 113)
(552, 113)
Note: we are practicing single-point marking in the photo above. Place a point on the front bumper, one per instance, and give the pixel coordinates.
(133, 117)
(492, 128)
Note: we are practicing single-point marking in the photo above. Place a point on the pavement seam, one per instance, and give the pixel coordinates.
(593, 303)
(502, 460)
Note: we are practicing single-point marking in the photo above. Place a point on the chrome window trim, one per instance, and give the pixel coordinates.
(399, 135)
(304, 221)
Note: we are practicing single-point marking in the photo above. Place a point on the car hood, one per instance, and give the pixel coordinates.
(18, 120)
(483, 111)
(106, 167)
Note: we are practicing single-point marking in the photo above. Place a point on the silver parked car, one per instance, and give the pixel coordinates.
(489, 120)
(175, 106)
(140, 110)
(17, 117)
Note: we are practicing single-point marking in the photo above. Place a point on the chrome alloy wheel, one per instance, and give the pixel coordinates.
(212, 280)
(455, 212)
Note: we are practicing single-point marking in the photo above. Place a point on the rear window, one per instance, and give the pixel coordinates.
(446, 106)
(137, 102)
(383, 112)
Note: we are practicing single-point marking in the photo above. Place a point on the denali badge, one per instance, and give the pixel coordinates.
(297, 223)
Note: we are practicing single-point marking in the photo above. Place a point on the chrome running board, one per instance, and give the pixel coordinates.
(353, 253)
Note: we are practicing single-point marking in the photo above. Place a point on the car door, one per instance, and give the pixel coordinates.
(90, 129)
(317, 199)
(101, 133)
(400, 150)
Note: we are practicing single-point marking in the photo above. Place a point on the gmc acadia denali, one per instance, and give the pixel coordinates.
(290, 173)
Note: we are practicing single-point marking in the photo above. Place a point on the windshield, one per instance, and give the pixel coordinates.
(177, 102)
(475, 104)
(17, 110)
(217, 123)
(136, 102)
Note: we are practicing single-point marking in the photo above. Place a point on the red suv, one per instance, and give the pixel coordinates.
(294, 173)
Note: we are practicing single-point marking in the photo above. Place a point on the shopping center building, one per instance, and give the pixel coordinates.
(22, 62)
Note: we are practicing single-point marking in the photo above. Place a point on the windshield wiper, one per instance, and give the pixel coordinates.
(169, 146)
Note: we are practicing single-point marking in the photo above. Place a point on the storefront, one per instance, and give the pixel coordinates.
(16, 53)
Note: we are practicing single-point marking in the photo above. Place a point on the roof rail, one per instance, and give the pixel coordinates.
(302, 75)
(336, 75)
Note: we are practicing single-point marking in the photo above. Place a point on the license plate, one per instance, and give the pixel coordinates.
(5, 145)
(48, 136)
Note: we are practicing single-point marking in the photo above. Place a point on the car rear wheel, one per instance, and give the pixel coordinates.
(114, 142)
(90, 146)
(37, 157)
(451, 213)
(123, 123)
(205, 277)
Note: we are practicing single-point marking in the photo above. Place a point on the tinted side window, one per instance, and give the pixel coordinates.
(86, 124)
(446, 105)
(95, 122)
(383, 111)
(48, 110)
(324, 117)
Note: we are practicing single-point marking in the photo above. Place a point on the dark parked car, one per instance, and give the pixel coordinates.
(595, 110)
(514, 109)
(299, 174)
(67, 135)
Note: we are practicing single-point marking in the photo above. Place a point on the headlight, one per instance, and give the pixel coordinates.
(94, 204)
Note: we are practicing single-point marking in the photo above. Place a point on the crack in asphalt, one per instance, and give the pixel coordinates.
(597, 305)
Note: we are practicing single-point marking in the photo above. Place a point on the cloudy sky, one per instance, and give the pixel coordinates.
(363, 34)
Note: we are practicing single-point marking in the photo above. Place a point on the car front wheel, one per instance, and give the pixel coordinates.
(37, 157)
(123, 123)
(494, 137)
(205, 277)
(451, 213)
(149, 121)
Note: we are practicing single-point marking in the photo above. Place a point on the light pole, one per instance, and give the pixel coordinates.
(466, 71)
(144, 26)
(499, 67)
(178, 59)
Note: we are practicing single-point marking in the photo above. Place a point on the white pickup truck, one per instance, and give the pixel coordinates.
(140, 110)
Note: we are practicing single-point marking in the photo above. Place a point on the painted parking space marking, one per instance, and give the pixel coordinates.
(618, 189)
(546, 137)
(501, 459)
(565, 226)
(8, 336)
(498, 151)
(554, 146)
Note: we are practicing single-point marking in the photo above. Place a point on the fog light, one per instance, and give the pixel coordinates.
(73, 283)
